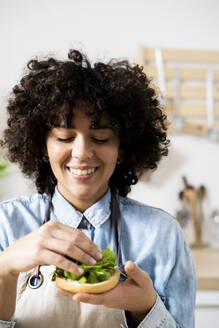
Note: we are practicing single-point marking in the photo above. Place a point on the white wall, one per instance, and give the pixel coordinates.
(115, 28)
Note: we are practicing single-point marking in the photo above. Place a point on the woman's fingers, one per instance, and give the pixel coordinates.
(140, 277)
(68, 248)
(50, 244)
(64, 292)
(60, 261)
(74, 242)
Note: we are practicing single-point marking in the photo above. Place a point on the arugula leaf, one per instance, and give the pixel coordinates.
(108, 259)
(92, 273)
(83, 280)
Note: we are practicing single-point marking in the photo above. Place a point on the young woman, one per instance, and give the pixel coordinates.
(85, 133)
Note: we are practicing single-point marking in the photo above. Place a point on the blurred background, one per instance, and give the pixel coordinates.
(116, 29)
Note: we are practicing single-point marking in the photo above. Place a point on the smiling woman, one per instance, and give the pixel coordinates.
(82, 159)
(85, 133)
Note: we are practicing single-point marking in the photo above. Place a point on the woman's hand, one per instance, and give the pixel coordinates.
(49, 244)
(136, 294)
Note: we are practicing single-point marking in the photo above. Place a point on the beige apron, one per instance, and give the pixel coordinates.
(44, 308)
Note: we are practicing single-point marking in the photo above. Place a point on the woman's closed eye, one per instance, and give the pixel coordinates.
(97, 140)
(65, 139)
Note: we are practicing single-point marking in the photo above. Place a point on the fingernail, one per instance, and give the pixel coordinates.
(131, 266)
(75, 298)
(99, 255)
(92, 261)
(80, 270)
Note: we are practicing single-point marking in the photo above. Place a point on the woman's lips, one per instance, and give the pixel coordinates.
(82, 172)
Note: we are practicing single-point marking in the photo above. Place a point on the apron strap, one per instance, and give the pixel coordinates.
(116, 231)
(48, 210)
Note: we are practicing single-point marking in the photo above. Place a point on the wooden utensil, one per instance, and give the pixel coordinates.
(191, 194)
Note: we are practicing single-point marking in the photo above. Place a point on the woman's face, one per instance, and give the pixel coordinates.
(83, 159)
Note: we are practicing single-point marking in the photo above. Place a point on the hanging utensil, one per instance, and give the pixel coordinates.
(191, 195)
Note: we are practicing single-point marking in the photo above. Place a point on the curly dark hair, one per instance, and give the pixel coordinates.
(49, 92)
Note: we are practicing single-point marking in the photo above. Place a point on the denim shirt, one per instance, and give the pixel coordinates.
(149, 236)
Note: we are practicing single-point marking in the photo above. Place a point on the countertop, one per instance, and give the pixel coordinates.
(207, 266)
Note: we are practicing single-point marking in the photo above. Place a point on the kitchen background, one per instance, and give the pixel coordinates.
(116, 28)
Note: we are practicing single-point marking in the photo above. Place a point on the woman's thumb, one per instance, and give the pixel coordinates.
(140, 276)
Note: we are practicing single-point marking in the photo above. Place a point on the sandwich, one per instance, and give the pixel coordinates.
(97, 278)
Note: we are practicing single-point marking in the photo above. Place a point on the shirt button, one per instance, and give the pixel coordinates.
(84, 221)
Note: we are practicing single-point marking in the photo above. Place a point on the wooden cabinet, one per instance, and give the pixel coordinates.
(207, 268)
(207, 299)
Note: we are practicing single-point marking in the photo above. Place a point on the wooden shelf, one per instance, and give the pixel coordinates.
(185, 55)
(188, 81)
(207, 267)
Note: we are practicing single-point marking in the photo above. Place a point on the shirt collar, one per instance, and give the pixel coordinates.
(65, 213)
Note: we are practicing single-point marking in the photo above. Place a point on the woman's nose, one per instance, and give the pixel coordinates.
(82, 149)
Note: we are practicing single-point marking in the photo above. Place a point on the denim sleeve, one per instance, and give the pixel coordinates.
(158, 317)
(176, 307)
(180, 289)
(7, 324)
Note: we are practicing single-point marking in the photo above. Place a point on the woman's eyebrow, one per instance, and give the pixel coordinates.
(100, 127)
(91, 127)
(64, 126)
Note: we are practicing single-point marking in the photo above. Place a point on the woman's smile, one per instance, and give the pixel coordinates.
(82, 173)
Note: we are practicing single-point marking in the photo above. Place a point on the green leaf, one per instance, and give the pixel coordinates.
(4, 169)
(72, 276)
(92, 273)
(82, 280)
(108, 259)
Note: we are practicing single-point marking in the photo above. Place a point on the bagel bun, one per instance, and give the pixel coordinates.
(75, 287)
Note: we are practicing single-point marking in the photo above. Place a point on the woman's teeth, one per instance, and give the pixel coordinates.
(81, 172)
